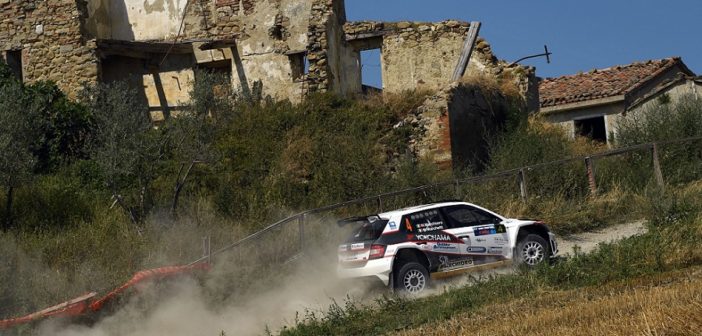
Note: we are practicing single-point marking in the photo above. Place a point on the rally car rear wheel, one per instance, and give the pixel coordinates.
(412, 278)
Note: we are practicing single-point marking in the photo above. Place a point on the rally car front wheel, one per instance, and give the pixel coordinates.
(532, 250)
(412, 278)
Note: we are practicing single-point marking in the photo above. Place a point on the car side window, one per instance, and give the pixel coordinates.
(424, 221)
(484, 217)
(461, 216)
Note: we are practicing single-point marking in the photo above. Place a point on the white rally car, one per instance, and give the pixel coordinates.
(403, 248)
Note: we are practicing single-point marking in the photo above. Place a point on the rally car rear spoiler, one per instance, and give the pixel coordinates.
(360, 220)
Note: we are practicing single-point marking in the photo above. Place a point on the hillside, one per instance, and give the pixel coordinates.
(646, 284)
(93, 192)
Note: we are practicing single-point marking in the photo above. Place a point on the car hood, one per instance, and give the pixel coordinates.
(514, 222)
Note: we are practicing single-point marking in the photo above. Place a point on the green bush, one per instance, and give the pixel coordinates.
(661, 121)
(537, 141)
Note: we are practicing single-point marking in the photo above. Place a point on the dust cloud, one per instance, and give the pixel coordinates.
(190, 307)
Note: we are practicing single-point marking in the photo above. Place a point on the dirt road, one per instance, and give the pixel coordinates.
(588, 241)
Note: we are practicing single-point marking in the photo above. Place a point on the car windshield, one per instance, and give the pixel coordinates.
(368, 231)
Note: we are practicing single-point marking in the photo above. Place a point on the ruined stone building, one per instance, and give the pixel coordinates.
(292, 47)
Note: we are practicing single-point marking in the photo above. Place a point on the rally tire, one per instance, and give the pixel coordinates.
(531, 250)
(412, 278)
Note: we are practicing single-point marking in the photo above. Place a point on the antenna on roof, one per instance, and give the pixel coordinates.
(546, 53)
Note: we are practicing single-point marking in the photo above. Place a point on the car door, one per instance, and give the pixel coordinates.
(484, 237)
(429, 231)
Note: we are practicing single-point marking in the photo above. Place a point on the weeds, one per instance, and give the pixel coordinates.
(662, 249)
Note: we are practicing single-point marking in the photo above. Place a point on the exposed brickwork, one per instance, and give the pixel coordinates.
(50, 35)
(57, 45)
(317, 46)
(416, 31)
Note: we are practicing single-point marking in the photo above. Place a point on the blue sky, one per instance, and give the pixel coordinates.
(582, 34)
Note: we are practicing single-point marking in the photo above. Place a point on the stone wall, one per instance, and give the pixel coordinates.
(293, 47)
(421, 55)
(452, 127)
(272, 36)
(49, 36)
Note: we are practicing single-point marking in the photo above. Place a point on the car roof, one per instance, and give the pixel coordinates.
(416, 208)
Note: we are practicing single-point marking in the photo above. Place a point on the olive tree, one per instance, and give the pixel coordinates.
(211, 106)
(17, 159)
(125, 145)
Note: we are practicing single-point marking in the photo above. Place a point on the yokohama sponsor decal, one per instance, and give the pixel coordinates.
(435, 237)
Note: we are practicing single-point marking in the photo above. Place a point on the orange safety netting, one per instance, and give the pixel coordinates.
(85, 304)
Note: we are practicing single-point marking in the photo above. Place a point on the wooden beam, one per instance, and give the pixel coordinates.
(219, 44)
(130, 48)
(467, 50)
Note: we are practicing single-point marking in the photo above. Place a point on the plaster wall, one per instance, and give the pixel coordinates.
(265, 56)
(135, 20)
(687, 87)
(611, 112)
(344, 60)
(420, 57)
(266, 33)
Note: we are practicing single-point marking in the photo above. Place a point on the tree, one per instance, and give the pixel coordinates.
(62, 126)
(211, 104)
(125, 145)
(17, 134)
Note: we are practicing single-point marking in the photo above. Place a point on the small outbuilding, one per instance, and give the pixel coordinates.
(591, 104)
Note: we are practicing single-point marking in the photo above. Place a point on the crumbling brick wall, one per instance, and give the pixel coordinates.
(453, 126)
(49, 35)
(421, 55)
(333, 61)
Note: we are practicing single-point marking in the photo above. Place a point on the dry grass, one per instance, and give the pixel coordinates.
(569, 216)
(669, 304)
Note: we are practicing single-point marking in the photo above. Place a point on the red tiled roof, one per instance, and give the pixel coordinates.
(602, 83)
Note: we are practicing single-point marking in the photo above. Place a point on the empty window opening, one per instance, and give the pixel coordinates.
(593, 128)
(14, 61)
(371, 69)
(222, 67)
(299, 65)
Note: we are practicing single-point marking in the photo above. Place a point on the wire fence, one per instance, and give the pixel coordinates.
(659, 164)
(587, 176)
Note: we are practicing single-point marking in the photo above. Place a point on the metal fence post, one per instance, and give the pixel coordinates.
(522, 184)
(457, 190)
(207, 249)
(657, 173)
(590, 166)
(380, 204)
(301, 229)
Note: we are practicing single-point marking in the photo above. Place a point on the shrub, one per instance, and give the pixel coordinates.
(662, 121)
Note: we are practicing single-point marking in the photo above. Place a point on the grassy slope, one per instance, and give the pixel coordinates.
(669, 303)
(672, 243)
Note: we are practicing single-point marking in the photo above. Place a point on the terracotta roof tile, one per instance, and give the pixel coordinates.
(603, 83)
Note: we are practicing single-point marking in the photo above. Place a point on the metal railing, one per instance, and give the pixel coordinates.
(379, 201)
(520, 173)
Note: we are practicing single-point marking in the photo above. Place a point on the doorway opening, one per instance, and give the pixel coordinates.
(593, 128)
(371, 70)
